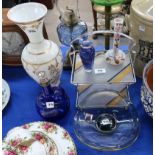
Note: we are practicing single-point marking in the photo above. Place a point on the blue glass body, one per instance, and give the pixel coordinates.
(53, 102)
(87, 54)
(67, 34)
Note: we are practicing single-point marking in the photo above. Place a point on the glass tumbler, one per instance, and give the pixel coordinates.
(87, 55)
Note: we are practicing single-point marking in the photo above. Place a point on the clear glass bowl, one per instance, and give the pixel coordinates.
(111, 123)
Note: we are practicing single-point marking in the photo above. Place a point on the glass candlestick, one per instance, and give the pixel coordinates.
(87, 54)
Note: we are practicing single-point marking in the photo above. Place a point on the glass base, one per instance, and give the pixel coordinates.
(120, 136)
(53, 102)
(110, 124)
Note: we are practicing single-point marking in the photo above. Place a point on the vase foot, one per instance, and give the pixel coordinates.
(53, 102)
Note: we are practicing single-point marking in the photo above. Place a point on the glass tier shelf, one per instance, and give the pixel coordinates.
(113, 74)
(122, 73)
(100, 96)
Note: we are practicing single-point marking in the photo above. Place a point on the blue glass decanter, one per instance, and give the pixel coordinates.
(70, 27)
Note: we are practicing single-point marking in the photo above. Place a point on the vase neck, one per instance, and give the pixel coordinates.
(34, 32)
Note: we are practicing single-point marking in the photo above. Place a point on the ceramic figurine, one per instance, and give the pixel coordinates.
(140, 26)
(41, 58)
(71, 26)
(87, 54)
(147, 88)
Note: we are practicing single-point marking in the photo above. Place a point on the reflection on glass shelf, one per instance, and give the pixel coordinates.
(122, 73)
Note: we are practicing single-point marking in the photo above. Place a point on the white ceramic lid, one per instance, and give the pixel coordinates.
(143, 9)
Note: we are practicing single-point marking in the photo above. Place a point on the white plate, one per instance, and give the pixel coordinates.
(23, 142)
(57, 134)
(5, 93)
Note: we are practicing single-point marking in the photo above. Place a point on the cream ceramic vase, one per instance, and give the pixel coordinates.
(140, 26)
(41, 58)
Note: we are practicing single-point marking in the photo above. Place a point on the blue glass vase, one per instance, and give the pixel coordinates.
(67, 33)
(53, 102)
(87, 54)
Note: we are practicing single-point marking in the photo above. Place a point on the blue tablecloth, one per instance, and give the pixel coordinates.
(21, 109)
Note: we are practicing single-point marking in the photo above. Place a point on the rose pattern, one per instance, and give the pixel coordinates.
(40, 138)
(45, 141)
(16, 142)
(49, 127)
(46, 128)
(71, 152)
(66, 135)
(9, 152)
(26, 126)
(23, 148)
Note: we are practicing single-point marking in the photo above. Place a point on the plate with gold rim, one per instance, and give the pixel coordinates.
(58, 135)
(20, 141)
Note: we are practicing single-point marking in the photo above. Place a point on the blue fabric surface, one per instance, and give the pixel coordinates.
(21, 109)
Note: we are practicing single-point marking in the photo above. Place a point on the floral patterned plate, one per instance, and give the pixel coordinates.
(56, 133)
(43, 131)
(5, 93)
(20, 141)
